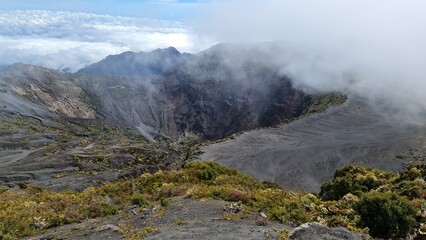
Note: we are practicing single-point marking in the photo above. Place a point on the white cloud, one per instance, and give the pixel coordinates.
(375, 48)
(70, 40)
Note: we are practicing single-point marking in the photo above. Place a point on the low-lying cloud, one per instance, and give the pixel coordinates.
(70, 41)
(375, 48)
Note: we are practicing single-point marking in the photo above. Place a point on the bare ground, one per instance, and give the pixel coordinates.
(305, 153)
(184, 218)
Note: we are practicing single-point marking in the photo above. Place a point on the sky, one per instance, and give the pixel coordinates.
(373, 48)
(70, 34)
(159, 9)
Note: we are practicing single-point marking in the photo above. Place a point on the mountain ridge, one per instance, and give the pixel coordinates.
(138, 64)
(63, 119)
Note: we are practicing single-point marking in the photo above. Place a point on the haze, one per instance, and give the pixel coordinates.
(372, 48)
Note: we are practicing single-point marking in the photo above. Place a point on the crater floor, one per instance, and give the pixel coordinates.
(305, 153)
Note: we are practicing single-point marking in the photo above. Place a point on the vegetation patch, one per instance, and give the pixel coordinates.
(321, 102)
(29, 211)
(387, 215)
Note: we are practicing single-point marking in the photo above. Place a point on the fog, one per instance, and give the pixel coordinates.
(374, 48)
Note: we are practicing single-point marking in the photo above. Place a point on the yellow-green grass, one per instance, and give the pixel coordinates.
(30, 211)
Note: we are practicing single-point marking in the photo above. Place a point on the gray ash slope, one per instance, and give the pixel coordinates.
(70, 127)
(305, 153)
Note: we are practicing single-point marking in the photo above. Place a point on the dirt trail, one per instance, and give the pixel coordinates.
(305, 153)
(185, 218)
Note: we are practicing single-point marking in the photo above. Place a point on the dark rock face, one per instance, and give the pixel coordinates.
(141, 65)
(318, 231)
(214, 107)
(212, 95)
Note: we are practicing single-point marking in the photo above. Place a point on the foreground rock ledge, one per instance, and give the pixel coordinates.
(318, 231)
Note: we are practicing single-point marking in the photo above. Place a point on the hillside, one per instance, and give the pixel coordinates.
(64, 130)
(151, 205)
(78, 147)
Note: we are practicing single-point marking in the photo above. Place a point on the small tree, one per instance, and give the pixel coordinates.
(387, 215)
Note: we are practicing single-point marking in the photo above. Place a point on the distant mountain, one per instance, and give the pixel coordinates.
(138, 64)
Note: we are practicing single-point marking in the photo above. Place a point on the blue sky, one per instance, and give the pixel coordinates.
(181, 10)
(70, 34)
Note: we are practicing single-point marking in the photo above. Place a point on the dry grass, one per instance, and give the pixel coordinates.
(30, 211)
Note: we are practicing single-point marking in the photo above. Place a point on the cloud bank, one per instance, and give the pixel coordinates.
(375, 48)
(69, 41)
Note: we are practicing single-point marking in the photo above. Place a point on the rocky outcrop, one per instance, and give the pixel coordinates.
(26, 85)
(309, 231)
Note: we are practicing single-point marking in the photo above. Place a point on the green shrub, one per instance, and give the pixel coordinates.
(412, 172)
(94, 210)
(205, 174)
(57, 221)
(290, 212)
(338, 188)
(207, 171)
(356, 180)
(22, 185)
(164, 202)
(412, 189)
(218, 193)
(139, 201)
(387, 215)
(109, 209)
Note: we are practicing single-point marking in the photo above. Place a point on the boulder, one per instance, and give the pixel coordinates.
(308, 231)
